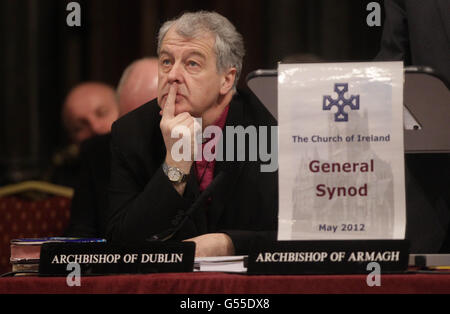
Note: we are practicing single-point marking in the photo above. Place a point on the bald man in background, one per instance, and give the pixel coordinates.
(89, 109)
(137, 86)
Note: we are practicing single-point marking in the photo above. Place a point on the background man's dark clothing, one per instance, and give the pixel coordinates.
(427, 202)
(143, 202)
(417, 32)
(90, 201)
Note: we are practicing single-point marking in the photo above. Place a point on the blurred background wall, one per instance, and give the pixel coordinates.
(41, 57)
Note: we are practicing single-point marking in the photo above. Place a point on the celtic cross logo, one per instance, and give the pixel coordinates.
(341, 102)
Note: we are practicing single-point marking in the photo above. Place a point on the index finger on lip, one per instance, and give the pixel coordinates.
(169, 106)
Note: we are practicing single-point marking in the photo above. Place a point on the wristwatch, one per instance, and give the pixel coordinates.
(174, 174)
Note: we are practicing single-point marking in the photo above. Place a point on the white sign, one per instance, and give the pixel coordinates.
(341, 153)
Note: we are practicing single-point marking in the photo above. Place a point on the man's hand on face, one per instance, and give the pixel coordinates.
(184, 121)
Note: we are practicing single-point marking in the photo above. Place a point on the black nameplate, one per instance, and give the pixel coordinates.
(328, 257)
(105, 258)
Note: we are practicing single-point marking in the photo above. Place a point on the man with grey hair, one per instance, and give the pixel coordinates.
(222, 206)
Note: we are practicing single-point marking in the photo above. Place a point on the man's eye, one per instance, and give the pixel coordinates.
(192, 64)
(165, 62)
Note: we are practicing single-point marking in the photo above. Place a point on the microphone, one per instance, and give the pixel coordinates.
(169, 233)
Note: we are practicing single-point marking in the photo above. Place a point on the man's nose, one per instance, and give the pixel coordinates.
(176, 73)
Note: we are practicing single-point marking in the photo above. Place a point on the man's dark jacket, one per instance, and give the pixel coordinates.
(143, 202)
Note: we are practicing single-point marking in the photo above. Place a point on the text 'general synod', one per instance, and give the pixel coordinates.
(322, 190)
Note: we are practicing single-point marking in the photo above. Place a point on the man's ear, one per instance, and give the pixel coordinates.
(228, 79)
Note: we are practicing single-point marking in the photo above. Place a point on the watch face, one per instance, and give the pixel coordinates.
(174, 175)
